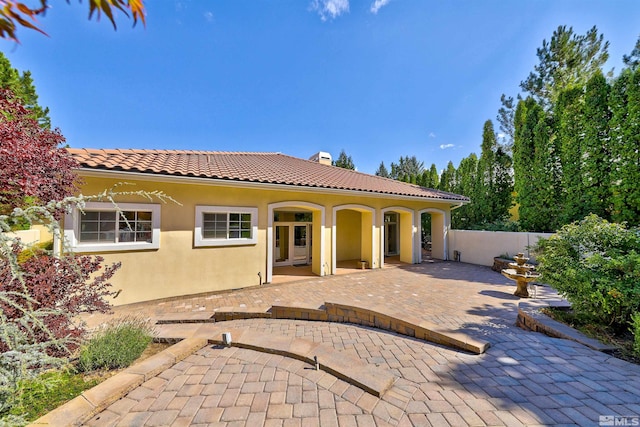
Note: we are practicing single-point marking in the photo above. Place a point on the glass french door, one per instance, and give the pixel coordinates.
(281, 250)
(292, 244)
(391, 235)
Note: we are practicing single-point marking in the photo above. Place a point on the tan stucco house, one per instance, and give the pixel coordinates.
(241, 216)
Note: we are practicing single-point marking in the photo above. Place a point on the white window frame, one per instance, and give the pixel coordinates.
(72, 228)
(200, 241)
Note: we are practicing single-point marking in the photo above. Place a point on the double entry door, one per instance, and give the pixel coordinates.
(292, 243)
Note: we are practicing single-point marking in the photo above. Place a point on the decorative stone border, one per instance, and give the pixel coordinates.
(373, 380)
(380, 317)
(93, 401)
(191, 338)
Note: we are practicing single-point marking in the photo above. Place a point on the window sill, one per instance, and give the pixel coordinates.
(203, 243)
(114, 247)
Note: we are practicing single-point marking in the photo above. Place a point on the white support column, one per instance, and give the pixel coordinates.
(417, 229)
(446, 228)
(269, 245)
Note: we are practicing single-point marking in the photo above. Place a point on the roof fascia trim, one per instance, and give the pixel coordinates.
(257, 185)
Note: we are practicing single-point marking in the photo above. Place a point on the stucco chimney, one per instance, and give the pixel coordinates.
(321, 157)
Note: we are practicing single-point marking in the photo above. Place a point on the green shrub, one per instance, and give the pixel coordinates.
(498, 225)
(37, 396)
(635, 328)
(117, 345)
(596, 266)
(35, 250)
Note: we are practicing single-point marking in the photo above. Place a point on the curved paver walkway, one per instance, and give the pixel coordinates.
(524, 378)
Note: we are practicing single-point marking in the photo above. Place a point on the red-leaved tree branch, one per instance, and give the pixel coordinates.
(32, 162)
(15, 14)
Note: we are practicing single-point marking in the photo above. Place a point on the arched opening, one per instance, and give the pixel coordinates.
(295, 241)
(398, 233)
(353, 244)
(433, 232)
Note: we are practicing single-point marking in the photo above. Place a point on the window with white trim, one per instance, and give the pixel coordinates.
(102, 227)
(225, 226)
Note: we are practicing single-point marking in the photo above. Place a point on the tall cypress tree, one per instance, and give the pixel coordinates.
(448, 178)
(502, 185)
(546, 178)
(466, 177)
(569, 135)
(423, 179)
(596, 155)
(434, 178)
(525, 120)
(625, 147)
(484, 193)
(536, 168)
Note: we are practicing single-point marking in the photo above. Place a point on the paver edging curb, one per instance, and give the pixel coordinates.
(380, 317)
(373, 381)
(530, 318)
(80, 409)
(395, 321)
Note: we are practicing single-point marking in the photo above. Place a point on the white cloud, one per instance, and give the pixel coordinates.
(329, 9)
(432, 135)
(501, 135)
(445, 146)
(208, 16)
(377, 5)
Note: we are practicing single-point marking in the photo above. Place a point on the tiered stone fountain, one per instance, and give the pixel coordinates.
(522, 273)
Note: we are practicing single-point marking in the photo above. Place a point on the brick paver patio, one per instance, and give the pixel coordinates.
(523, 379)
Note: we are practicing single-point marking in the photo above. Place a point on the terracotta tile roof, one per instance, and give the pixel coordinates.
(271, 168)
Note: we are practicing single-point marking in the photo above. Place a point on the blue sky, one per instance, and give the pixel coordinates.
(378, 78)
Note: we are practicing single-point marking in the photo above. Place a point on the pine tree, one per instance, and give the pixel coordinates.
(567, 60)
(23, 88)
(505, 118)
(406, 166)
(633, 59)
(344, 161)
(382, 171)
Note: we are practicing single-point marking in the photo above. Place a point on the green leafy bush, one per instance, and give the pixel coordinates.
(498, 225)
(635, 329)
(596, 266)
(35, 250)
(117, 345)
